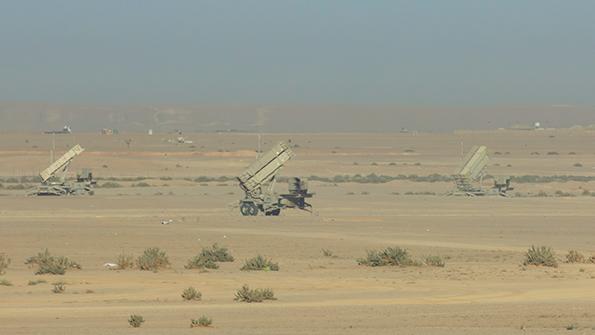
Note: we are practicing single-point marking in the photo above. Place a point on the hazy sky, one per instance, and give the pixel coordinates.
(410, 53)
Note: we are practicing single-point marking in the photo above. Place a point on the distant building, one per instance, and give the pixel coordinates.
(65, 130)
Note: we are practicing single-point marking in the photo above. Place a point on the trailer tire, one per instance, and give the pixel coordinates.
(248, 209)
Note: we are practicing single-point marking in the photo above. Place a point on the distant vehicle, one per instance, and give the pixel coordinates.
(65, 130)
(258, 182)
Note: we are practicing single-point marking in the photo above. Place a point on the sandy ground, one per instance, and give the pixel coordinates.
(482, 289)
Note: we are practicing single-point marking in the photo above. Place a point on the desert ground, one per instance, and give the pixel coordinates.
(482, 289)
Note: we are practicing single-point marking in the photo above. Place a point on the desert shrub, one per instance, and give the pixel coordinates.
(152, 259)
(246, 294)
(125, 261)
(191, 294)
(141, 184)
(36, 282)
(559, 193)
(409, 150)
(59, 287)
(5, 282)
(209, 257)
(586, 193)
(136, 320)
(327, 252)
(17, 187)
(110, 184)
(4, 263)
(48, 264)
(389, 256)
(260, 263)
(203, 321)
(552, 153)
(540, 256)
(573, 256)
(541, 194)
(577, 165)
(436, 261)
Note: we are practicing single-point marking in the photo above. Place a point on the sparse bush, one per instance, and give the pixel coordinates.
(36, 282)
(540, 256)
(125, 261)
(260, 263)
(141, 184)
(4, 263)
(436, 261)
(552, 153)
(541, 194)
(246, 294)
(209, 257)
(48, 264)
(559, 193)
(577, 165)
(152, 259)
(59, 287)
(5, 282)
(110, 184)
(327, 253)
(203, 321)
(135, 320)
(389, 256)
(574, 256)
(17, 187)
(191, 294)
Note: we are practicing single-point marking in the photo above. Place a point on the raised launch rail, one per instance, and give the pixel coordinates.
(264, 169)
(61, 164)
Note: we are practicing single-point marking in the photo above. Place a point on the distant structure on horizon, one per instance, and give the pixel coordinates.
(65, 130)
(536, 126)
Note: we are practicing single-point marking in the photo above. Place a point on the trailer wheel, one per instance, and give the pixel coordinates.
(248, 209)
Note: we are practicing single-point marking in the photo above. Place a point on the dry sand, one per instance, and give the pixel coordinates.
(481, 290)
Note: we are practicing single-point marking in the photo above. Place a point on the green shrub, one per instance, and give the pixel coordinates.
(36, 282)
(203, 321)
(5, 282)
(48, 264)
(110, 184)
(136, 320)
(389, 256)
(574, 256)
(246, 294)
(540, 256)
(125, 261)
(59, 287)
(260, 263)
(436, 261)
(191, 294)
(152, 259)
(209, 257)
(141, 184)
(4, 263)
